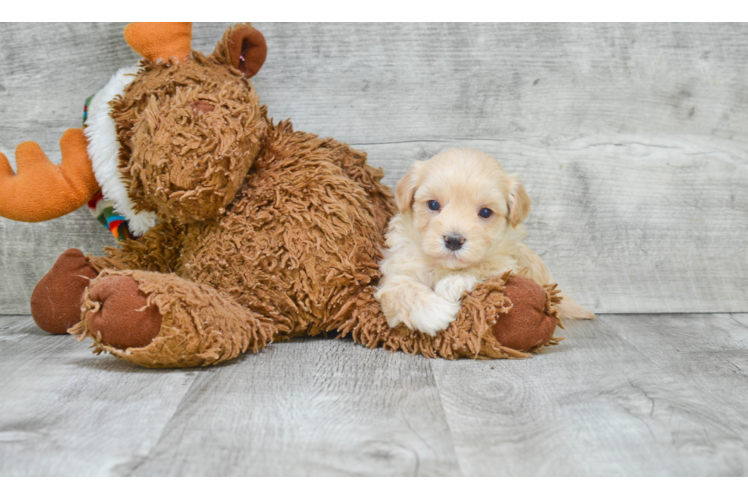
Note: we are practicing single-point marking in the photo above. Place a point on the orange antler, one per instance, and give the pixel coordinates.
(160, 42)
(44, 191)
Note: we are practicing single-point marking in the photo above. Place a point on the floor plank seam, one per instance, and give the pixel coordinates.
(446, 417)
(732, 316)
(628, 343)
(177, 407)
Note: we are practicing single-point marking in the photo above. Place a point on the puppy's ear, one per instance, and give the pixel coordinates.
(406, 190)
(519, 202)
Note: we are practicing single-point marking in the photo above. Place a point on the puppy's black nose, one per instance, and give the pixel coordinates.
(454, 241)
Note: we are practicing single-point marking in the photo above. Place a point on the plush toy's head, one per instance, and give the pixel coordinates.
(171, 138)
(189, 126)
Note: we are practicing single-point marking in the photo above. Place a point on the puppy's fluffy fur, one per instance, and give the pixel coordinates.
(459, 224)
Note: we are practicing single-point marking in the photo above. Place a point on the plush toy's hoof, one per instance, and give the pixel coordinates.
(528, 324)
(57, 299)
(123, 318)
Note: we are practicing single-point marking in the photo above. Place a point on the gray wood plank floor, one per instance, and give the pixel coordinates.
(623, 395)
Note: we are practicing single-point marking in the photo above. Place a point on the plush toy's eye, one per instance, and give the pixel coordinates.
(434, 205)
(485, 213)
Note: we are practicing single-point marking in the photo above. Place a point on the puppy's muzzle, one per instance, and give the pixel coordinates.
(454, 242)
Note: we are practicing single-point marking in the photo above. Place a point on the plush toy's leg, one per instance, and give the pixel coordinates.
(163, 321)
(474, 333)
(532, 320)
(57, 298)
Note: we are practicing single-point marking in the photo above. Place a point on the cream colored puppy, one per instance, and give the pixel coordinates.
(459, 224)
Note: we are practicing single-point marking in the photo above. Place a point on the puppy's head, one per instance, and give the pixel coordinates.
(461, 203)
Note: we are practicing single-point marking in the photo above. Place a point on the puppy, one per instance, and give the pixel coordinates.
(459, 224)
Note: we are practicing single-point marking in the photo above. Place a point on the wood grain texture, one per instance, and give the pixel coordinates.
(709, 354)
(313, 407)
(631, 138)
(627, 395)
(65, 412)
(606, 402)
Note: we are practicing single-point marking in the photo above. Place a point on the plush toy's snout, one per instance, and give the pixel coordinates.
(201, 107)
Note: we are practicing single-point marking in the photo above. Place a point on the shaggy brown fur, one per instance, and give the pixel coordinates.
(299, 242)
(266, 233)
(200, 326)
(184, 164)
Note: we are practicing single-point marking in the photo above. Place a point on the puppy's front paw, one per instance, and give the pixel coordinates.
(434, 315)
(452, 287)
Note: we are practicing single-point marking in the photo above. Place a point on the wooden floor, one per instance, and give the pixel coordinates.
(623, 395)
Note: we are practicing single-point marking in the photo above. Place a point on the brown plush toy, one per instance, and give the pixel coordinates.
(249, 231)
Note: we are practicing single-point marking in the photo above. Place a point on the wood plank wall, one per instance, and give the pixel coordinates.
(632, 140)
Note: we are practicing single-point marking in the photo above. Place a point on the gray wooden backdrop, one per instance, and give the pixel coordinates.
(632, 140)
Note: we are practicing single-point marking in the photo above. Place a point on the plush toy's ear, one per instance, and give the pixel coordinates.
(244, 48)
(519, 202)
(406, 189)
(160, 42)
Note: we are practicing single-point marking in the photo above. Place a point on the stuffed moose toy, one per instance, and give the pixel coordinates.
(235, 231)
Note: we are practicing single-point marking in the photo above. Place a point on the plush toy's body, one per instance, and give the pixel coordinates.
(299, 242)
(264, 233)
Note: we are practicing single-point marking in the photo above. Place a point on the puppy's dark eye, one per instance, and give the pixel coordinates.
(485, 213)
(433, 205)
